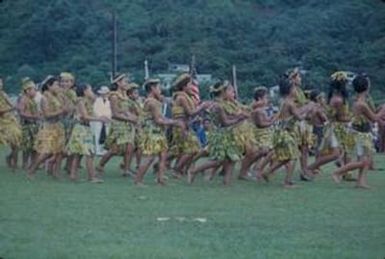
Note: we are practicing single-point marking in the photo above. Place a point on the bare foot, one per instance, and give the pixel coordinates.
(8, 161)
(175, 174)
(30, 176)
(100, 170)
(290, 185)
(243, 178)
(161, 182)
(363, 186)
(140, 184)
(96, 180)
(190, 177)
(266, 178)
(336, 178)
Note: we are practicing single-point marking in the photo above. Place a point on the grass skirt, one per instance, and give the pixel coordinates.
(152, 140)
(184, 142)
(244, 135)
(81, 141)
(10, 131)
(285, 145)
(222, 145)
(50, 138)
(336, 135)
(363, 143)
(29, 132)
(305, 134)
(263, 137)
(121, 134)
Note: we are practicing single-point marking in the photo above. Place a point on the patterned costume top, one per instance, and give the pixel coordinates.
(54, 104)
(122, 132)
(285, 138)
(88, 104)
(10, 132)
(31, 107)
(51, 136)
(177, 110)
(299, 97)
(222, 142)
(123, 102)
(153, 139)
(4, 104)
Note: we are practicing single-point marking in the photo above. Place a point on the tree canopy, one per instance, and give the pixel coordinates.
(262, 38)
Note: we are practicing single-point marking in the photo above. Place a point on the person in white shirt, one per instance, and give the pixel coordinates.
(101, 108)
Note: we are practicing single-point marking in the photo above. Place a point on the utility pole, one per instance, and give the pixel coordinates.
(146, 70)
(114, 45)
(235, 81)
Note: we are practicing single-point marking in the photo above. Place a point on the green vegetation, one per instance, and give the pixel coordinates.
(263, 38)
(60, 219)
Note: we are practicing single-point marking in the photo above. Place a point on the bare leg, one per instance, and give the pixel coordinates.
(162, 167)
(324, 159)
(74, 167)
(26, 155)
(262, 164)
(249, 159)
(228, 166)
(104, 160)
(127, 158)
(138, 157)
(362, 181)
(180, 165)
(201, 168)
(275, 166)
(289, 174)
(346, 168)
(56, 167)
(41, 158)
(305, 173)
(142, 170)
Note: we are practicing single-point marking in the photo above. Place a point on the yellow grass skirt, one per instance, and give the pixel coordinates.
(50, 138)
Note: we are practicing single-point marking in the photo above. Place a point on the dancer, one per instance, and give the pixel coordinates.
(10, 130)
(51, 136)
(81, 141)
(223, 149)
(121, 137)
(363, 115)
(153, 142)
(29, 118)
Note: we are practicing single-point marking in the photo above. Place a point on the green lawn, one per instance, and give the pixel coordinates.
(59, 219)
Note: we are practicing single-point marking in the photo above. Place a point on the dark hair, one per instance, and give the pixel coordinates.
(48, 82)
(338, 86)
(284, 86)
(182, 83)
(216, 89)
(259, 93)
(149, 85)
(360, 83)
(80, 88)
(314, 94)
(113, 87)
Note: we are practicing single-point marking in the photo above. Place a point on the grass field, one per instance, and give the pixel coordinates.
(59, 219)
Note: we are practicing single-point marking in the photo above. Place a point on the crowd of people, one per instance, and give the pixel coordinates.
(69, 124)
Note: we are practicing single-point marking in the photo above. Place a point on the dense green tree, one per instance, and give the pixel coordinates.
(262, 38)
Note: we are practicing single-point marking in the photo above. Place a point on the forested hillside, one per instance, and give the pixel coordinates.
(262, 38)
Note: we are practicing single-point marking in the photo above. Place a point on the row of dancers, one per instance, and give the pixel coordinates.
(58, 127)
